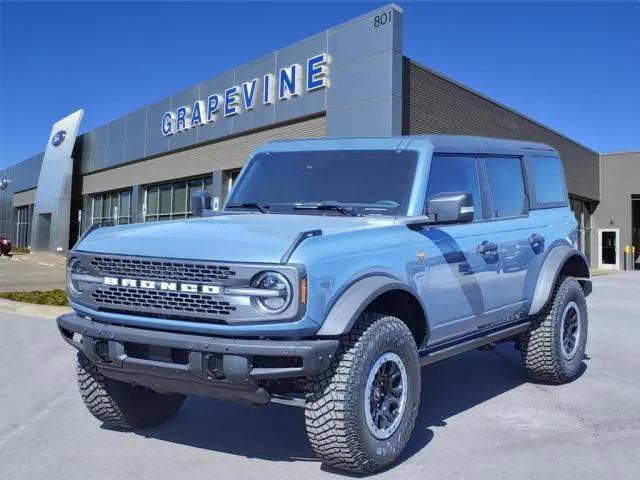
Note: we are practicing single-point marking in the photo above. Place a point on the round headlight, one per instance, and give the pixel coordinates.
(279, 292)
(75, 268)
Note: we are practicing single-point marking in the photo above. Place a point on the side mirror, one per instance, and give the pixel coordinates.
(450, 207)
(201, 203)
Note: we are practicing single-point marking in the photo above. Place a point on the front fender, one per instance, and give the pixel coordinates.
(355, 299)
(554, 262)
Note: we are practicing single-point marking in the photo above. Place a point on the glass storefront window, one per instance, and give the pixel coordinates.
(180, 197)
(23, 226)
(112, 207)
(172, 201)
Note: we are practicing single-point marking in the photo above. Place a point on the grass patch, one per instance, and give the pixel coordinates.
(20, 250)
(57, 298)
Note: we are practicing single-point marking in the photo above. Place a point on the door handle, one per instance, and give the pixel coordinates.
(486, 247)
(536, 239)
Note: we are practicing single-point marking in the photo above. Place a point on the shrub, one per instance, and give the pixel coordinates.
(56, 297)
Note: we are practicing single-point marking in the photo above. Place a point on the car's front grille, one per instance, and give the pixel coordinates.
(170, 302)
(178, 289)
(174, 270)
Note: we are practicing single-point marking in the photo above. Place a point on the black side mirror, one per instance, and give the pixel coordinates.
(201, 203)
(451, 207)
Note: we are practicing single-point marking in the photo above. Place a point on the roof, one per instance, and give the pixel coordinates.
(438, 142)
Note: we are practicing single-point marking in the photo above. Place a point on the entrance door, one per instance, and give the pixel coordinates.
(609, 240)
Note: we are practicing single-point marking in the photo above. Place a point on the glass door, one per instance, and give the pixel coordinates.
(608, 257)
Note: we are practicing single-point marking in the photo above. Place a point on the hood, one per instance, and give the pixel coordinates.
(232, 238)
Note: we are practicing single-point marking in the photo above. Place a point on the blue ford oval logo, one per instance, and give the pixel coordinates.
(58, 138)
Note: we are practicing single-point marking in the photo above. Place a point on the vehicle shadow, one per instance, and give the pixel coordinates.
(277, 433)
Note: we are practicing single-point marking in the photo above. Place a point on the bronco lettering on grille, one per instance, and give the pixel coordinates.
(163, 286)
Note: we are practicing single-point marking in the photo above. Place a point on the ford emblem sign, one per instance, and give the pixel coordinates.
(58, 138)
(4, 183)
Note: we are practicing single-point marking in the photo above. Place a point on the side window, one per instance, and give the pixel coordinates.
(506, 186)
(547, 176)
(455, 174)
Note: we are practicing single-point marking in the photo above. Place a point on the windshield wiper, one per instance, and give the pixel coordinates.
(261, 207)
(327, 206)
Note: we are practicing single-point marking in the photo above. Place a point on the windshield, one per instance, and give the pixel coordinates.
(366, 182)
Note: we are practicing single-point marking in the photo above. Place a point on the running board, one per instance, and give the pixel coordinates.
(288, 400)
(428, 357)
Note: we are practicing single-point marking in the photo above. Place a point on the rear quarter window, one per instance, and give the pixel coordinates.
(547, 178)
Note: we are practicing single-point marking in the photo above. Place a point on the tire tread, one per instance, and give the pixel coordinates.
(332, 431)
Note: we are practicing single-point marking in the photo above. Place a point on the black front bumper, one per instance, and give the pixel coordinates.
(226, 368)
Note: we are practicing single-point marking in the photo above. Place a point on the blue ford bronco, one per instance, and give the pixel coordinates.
(335, 271)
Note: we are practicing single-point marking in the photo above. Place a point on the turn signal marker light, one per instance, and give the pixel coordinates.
(303, 291)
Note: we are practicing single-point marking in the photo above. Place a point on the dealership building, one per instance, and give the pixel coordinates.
(350, 80)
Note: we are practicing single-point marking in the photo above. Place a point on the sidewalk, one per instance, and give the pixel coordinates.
(31, 310)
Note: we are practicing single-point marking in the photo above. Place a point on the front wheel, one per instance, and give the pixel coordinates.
(121, 405)
(553, 349)
(363, 409)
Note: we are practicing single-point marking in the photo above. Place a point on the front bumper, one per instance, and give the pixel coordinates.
(227, 368)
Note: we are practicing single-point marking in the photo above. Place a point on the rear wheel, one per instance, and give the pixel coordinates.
(363, 409)
(122, 405)
(553, 349)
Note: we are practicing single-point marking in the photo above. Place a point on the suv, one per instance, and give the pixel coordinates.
(336, 270)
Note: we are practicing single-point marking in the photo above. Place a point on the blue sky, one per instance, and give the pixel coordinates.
(572, 66)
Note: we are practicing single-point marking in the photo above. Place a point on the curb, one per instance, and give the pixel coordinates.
(31, 309)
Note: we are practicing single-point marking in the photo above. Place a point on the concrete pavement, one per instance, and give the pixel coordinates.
(480, 419)
(37, 271)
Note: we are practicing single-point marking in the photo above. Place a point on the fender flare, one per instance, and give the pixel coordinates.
(551, 267)
(352, 302)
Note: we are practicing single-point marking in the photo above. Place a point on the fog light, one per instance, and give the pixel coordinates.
(101, 348)
(215, 366)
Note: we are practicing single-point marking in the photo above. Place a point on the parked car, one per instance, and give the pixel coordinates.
(336, 270)
(5, 246)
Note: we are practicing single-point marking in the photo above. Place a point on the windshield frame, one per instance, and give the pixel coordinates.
(404, 208)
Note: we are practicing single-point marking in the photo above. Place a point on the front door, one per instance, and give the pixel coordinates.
(462, 259)
(609, 246)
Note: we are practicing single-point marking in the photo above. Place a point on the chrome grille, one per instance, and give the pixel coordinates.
(171, 303)
(173, 270)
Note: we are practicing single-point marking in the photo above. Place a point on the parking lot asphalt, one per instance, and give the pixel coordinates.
(479, 419)
(22, 273)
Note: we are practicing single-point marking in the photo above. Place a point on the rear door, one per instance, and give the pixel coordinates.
(519, 238)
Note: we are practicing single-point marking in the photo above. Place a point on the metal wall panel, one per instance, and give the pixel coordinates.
(619, 174)
(28, 197)
(135, 126)
(219, 128)
(308, 102)
(116, 133)
(155, 142)
(262, 115)
(434, 104)
(187, 137)
(52, 210)
(22, 176)
(94, 151)
(367, 56)
(221, 155)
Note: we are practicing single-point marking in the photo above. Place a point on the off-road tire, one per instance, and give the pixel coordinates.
(122, 405)
(541, 346)
(335, 410)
